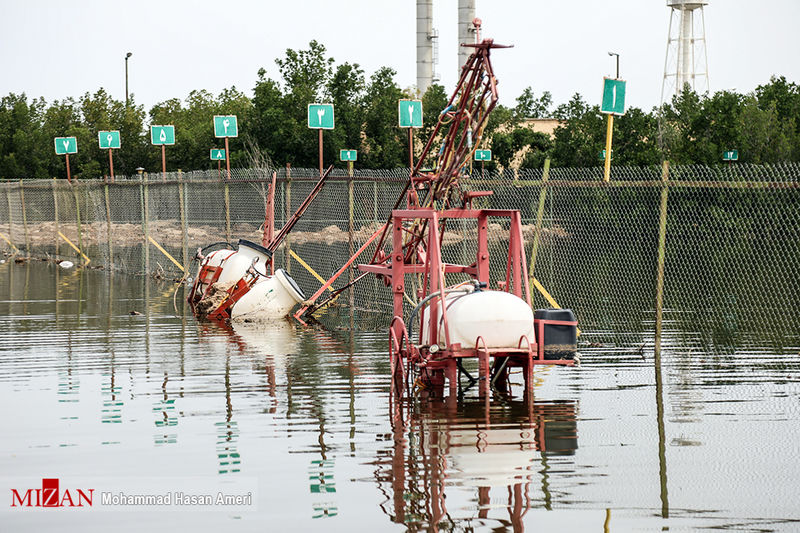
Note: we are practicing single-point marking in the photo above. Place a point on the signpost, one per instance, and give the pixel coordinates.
(730, 155)
(65, 146)
(162, 136)
(218, 156)
(350, 156)
(320, 117)
(409, 115)
(109, 140)
(613, 104)
(226, 126)
(482, 156)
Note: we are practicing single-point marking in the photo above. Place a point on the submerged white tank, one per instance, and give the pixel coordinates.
(500, 317)
(237, 263)
(270, 298)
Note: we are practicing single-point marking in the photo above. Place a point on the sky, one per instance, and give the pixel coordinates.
(58, 49)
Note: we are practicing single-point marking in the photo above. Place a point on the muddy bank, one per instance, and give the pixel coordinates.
(169, 233)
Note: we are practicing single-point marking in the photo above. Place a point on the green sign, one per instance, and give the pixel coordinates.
(66, 145)
(409, 113)
(225, 126)
(108, 139)
(483, 155)
(613, 97)
(730, 155)
(217, 154)
(602, 155)
(348, 155)
(320, 116)
(160, 135)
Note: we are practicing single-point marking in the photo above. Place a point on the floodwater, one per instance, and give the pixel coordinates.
(300, 420)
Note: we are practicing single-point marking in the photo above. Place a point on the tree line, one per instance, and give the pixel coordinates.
(764, 126)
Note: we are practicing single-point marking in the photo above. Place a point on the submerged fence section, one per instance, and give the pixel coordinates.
(710, 254)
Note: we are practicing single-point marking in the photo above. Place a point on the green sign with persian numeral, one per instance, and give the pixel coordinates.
(66, 145)
(348, 155)
(409, 113)
(730, 155)
(320, 116)
(483, 155)
(108, 139)
(217, 154)
(613, 97)
(160, 135)
(225, 126)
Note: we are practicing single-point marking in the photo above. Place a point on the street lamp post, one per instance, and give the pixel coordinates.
(129, 54)
(615, 54)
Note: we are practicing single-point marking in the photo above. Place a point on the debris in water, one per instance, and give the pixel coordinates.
(66, 264)
(135, 313)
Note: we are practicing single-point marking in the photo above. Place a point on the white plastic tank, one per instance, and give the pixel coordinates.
(238, 263)
(500, 317)
(270, 298)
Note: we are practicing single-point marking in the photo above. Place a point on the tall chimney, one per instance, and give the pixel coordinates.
(466, 32)
(424, 45)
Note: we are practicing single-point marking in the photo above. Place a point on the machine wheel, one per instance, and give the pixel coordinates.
(398, 353)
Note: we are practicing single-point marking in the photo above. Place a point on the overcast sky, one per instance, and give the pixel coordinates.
(58, 49)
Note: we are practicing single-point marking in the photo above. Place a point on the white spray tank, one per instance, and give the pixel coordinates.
(270, 297)
(500, 317)
(237, 264)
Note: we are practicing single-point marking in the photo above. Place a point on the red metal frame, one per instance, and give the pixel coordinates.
(432, 201)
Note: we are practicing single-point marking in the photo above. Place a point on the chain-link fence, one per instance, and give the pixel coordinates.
(730, 253)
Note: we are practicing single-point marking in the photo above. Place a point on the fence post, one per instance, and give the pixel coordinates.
(55, 217)
(288, 209)
(539, 217)
(374, 200)
(143, 193)
(227, 213)
(108, 227)
(78, 214)
(350, 230)
(662, 251)
(10, 218)
(184, 237)
(24, 218)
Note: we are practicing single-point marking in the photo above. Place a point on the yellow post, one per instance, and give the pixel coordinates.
(609, 133)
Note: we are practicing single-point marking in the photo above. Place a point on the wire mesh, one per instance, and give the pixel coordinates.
(732, 255)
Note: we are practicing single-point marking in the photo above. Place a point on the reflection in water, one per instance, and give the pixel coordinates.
(497, 452)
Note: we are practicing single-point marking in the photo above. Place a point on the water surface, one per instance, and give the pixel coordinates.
(99, 397)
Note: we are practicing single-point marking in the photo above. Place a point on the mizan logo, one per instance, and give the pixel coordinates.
(49, 496)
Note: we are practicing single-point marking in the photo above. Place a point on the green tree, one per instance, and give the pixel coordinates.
(383, 146)
(346, 90)
(765, 136)
(528, 106)
(581, 134)
(23, 146)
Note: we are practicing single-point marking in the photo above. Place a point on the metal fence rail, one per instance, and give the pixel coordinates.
(714, 252)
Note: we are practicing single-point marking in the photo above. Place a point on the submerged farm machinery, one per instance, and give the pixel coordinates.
(449, 322)
(242, 283)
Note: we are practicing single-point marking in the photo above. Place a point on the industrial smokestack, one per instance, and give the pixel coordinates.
(466, 31)
(424, 45)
